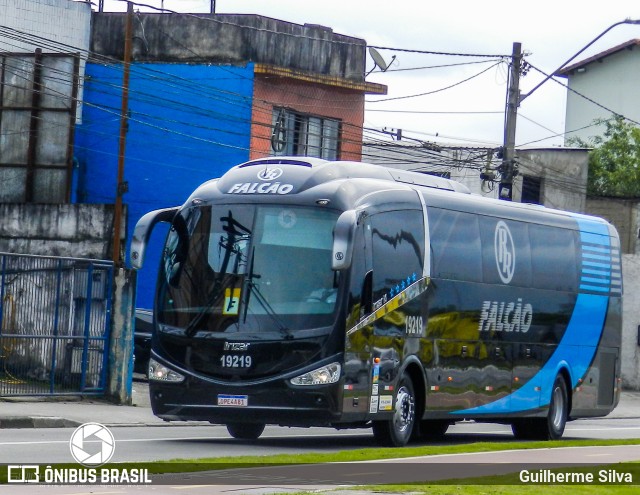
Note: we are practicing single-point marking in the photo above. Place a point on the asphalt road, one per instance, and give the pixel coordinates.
(140, 443)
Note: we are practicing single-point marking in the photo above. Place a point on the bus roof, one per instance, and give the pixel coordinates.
(284, 178)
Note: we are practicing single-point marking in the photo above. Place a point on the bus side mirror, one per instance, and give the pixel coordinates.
(142, 232)
(343, 235)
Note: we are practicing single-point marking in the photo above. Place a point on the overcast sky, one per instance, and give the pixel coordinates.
(471, 112)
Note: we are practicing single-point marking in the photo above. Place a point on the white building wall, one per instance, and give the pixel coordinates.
(611, 81)
(62, 21)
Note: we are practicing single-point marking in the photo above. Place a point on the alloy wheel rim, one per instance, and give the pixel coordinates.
(405, 410)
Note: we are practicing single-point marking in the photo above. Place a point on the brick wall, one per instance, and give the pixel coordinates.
(307, 98)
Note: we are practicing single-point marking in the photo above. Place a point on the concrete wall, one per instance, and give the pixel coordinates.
(625, 215)
(231, 39)
(563, 172)
(631, 322)
(79, 231)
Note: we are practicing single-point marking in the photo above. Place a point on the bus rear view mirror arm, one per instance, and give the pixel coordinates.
(143, 230)
(343, 235)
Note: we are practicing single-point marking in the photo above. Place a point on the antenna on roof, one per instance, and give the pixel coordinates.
(378, 61)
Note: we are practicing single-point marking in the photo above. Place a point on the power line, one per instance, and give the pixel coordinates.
(449, 54)
(436, 90)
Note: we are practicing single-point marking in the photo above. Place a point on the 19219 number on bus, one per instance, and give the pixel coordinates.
(235, 361)
(414, 325)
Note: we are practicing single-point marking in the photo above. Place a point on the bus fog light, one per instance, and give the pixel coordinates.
(161, 373)
(322, 376)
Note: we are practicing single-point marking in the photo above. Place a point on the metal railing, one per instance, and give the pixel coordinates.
(54, 325)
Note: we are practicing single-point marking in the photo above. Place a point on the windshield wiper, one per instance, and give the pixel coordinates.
(251, 287)
(235, 232)
(193, 325)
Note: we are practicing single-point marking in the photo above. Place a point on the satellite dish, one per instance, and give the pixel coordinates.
(378, 61)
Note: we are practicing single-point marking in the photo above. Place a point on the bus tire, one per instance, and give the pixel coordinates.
(556, 419)
(552, 426)
(245, 431)
(432, 429)
(396, 431)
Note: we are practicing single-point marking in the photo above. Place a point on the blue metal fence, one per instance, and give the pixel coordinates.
(54, 325)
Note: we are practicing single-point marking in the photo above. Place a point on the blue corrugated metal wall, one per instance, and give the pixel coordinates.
(188, 124)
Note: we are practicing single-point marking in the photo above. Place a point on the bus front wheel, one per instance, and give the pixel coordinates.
(245, 431)
(396, 431)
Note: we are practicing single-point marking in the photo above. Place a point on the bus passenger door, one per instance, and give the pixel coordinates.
(359, 330)
(396, 240)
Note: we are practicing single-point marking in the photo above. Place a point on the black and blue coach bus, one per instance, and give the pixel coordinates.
(303, 292)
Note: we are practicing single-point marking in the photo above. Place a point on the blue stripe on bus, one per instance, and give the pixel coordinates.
(595, 249)
(594, 264)
(593, 271)
(594, 288)
(596, 280)
(577, 348)
(596, 257)
(594, 238)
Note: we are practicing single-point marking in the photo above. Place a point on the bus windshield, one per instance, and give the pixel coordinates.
(247, 268)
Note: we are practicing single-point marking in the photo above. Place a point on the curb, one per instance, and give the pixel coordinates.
(37, 422)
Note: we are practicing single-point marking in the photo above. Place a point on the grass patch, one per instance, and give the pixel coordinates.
(370, 454)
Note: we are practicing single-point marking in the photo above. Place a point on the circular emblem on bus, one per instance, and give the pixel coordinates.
(505, 252)
(270, 173)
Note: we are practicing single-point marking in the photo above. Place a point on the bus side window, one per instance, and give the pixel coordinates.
(397, 241)
(553, 258)
(455, 244)
(367, 294)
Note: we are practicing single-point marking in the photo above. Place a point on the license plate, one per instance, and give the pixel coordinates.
(233, 400)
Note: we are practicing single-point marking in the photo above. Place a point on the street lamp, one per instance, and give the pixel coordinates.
(626, 21)
(505, 190)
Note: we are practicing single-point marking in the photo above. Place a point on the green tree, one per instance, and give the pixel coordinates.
(614, 162)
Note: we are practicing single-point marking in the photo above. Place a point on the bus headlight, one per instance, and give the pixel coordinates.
(161, 373)
(322, 376)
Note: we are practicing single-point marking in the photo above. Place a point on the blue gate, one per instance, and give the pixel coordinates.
(55, 316)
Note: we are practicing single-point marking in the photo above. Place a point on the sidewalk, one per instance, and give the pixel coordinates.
(69, 412)
(61, 412)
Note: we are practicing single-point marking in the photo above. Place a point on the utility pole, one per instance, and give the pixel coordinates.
(508, 167)
(121, 186)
